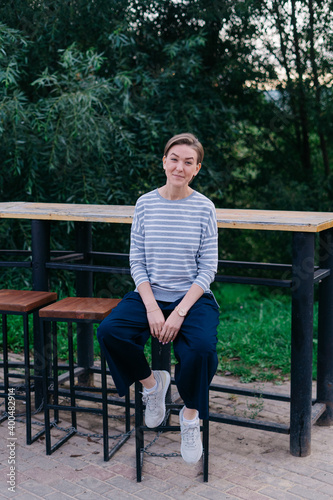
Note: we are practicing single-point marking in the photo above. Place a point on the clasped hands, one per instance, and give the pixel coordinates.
(165, 330)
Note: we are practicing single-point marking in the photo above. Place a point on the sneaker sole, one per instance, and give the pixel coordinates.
(192, 462)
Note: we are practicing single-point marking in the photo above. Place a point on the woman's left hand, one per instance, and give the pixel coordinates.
(171, 328)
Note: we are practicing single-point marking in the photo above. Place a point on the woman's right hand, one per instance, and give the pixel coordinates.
(156, 321)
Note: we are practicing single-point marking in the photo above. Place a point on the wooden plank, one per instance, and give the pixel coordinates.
(68, 212)
(80, 308)
(24, 300)
(272, 220)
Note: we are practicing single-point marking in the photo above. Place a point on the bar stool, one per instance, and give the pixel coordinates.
(161, 360)
(23, 303)
(76, 310)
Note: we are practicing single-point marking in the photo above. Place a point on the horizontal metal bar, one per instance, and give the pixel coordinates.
(85, 396)
(15, 264)
(65, 376)
(254, 265)
(13, 364)
(88, 268)
(15, 252)
(68, 256)
(321, 274)
(248, 392)
(245, 280)
(109, 254)
(246, 422)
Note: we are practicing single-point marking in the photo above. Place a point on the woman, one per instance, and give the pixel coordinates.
(173, 259)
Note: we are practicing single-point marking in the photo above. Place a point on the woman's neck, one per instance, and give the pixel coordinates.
(170, 193)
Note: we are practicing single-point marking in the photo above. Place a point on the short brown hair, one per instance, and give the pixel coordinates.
(188, 139)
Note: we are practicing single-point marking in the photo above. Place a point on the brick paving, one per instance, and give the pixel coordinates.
(243, 463)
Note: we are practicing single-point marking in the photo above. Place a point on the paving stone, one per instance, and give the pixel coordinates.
(124, 484)
(148, 493)
(36, 488)
(324, 477)
(327, 489)
(118, 494)
(93, 484)
(157, 485)
(97, 472)
(245, 494)
(27, 496)
(58, 496)
(246, 482)
(278, 494)
(310, 494)
(90, 495)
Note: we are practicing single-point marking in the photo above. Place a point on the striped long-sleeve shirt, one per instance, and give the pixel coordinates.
(173, 244)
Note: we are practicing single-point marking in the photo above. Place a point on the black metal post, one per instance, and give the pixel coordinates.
(161, 355)
(40, 254)
(161, 360)
(84, 288)
(301, 344)
(325, 330)
(40, 250)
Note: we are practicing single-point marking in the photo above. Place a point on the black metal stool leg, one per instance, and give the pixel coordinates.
(71, 372)
(139, 438)
(205, 436)
(5, 366)
(54, 374)
(27, 377)
(45, 378)
(105, 409)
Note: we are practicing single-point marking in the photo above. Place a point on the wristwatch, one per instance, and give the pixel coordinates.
(180, 311)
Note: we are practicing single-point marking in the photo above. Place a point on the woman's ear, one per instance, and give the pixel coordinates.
(164, 160)
(197, 168)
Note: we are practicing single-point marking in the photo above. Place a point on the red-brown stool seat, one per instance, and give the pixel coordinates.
(24, 300)
(80, 308)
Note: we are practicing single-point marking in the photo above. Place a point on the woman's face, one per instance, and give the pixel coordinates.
(180, 165)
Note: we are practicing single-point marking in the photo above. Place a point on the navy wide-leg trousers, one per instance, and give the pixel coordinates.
(123, 334)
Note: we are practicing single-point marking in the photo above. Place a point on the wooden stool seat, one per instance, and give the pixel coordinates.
(24, 300)
(80, 308)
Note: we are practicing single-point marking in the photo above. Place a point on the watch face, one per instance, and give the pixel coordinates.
(181, 312)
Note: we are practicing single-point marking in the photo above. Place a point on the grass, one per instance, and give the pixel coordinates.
(253, 335)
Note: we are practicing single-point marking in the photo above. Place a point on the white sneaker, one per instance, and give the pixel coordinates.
(191, 447)
(155, 401)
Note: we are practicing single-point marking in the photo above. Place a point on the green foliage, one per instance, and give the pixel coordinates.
(91, 91)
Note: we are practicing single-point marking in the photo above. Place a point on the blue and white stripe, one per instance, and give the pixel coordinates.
(173, 244)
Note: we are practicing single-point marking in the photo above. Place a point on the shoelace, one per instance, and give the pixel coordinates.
(189, 435)
(150, 401)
